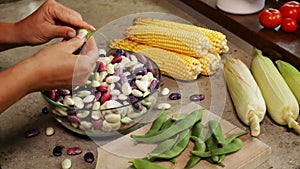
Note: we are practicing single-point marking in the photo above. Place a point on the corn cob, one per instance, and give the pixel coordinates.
(292, 77)
(172, 64)
(180, 41)
(281, 103)
(217, 38)
(245, 94)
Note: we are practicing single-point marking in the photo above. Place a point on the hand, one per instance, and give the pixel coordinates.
(59, 68)
(51, 20)
(52, 67)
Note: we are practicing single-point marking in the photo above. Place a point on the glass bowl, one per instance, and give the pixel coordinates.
(112, 101)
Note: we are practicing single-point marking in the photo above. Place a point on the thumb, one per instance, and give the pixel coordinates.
(62, 31)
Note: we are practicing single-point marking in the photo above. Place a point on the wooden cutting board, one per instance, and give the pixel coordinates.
(117, 153)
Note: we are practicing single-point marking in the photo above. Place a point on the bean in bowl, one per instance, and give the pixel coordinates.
(120, 91)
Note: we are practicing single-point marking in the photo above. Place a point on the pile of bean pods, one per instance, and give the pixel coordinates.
(121, 89)
(172, 136)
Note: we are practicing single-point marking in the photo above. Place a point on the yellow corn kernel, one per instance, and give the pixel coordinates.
(217, 38)
(281, 103)
(246, 96)
(172, 64)
(210, 63)
(180, 41)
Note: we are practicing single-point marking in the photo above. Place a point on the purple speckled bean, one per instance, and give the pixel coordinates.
(123, 78)
(73, 118)
(138, 106)
(139, 71)
(89, 157)
(32, 133)
(59, 98)
(132, 99)
(88, 105)
(175, 96)
(153, 84)
(197, 97)
(132, 84)
(63, 92)
(97, 124)
(74, 150)
(98, 95)
(71, 112)
(141, 58)
(119, 52)
(119, 70)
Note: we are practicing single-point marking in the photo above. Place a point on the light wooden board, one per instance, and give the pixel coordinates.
(117, 153)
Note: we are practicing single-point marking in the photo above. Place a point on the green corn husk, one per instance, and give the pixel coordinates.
(291, 76)
(245, 94)
(281, 103)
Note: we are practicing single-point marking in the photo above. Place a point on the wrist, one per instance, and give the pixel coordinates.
(10, 36)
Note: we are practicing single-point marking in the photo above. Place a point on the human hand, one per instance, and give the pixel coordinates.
(56, 67)
(50, 20)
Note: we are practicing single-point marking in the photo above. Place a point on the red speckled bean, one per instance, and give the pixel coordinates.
(116, 59)
(74, 150)
(32, 133)
(106, 96)
(102, 66)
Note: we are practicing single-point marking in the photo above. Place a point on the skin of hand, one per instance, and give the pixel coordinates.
(52, 67)
(50, 20)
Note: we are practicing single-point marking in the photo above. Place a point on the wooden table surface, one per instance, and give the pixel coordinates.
(276, 44)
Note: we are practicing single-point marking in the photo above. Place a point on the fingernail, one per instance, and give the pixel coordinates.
(93, 27)
(82, 35)
(71, 34)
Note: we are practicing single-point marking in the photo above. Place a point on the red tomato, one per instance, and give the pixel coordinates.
(270, 18)
(289, 24)
(290, 9)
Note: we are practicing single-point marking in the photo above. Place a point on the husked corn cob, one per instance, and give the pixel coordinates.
(245, 94)
(172, 64)
(217, 38)
(281, 103)
(292, 77)
(209, 63)
(180, 41)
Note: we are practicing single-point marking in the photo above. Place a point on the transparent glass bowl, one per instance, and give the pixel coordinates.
(103, 122)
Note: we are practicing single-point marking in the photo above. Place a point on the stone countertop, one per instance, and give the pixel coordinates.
(18, 152)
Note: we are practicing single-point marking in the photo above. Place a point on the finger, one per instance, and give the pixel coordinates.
(71, 17)
(62, 31)
(75, 43)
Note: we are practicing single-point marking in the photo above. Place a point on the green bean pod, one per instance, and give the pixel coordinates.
(217, 132)
(182, 142)
(156, 125)
(232, 147)
(199, 144)
(182, 125)
(145, 164)
(229, 139)
(179, 116)
(164, 146)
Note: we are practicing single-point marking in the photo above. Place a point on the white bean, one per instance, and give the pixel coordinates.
(66, 163)
(137, 93)
(78, 102)
(126, 89)
(165, 91)
(113, 118)
(163, 106)
(88, 99)
(49, 131)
